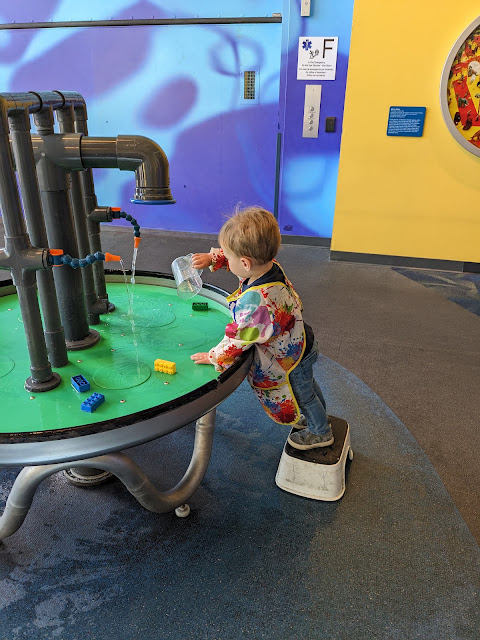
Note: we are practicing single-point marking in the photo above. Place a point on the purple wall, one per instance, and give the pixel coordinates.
(182, 86)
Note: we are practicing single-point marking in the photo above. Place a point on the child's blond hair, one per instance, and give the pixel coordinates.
(251, 232)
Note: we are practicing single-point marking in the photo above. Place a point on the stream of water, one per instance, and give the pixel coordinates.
(134, 260)
(129, 292)
(130, 308)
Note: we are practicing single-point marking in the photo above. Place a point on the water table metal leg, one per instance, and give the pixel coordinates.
(126, 470)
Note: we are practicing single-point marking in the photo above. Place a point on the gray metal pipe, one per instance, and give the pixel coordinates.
(74, 152)
(27, 175)
(42, 378)
(30, 101)
(275, 18)
(131, 475)
(68, 281)
(9, 196)
(22, 261)
(90, 202)
(54, 191)
(132, 153)
(94, 305)
(66, 125)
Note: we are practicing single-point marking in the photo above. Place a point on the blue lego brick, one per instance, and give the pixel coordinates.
(93, 402)
(79, 383)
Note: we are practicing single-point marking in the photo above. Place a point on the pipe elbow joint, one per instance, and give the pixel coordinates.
(36, 259)
(20, 257)
(150, 163)
(102, 214)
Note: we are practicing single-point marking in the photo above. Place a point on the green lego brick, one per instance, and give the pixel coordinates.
(200, 306)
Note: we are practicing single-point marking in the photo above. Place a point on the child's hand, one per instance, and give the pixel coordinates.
(201, 358)
(201, 260)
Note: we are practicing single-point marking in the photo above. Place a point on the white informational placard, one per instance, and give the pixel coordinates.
(317, 58)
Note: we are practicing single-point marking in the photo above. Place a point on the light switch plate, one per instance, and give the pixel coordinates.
(330, 124)
(311, 110)
(305, 7)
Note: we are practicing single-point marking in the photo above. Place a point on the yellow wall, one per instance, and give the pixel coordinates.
(417, 197)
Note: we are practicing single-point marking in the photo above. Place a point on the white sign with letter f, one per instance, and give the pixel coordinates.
(317, 58)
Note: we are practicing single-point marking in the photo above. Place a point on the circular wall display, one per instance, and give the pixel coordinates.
(460, 89)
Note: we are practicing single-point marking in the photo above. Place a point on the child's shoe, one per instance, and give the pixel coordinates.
(305, 439)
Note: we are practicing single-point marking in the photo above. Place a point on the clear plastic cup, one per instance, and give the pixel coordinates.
(188, 279)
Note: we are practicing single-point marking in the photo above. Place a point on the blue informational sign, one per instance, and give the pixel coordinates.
(406, 121)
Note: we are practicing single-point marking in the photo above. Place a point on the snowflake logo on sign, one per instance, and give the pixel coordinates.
(307, 44)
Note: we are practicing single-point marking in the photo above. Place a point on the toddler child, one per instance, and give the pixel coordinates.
(267, 316)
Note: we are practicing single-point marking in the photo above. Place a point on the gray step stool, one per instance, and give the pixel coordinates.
(317, 473)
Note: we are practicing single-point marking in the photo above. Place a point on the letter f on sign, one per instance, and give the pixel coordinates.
(325, 48)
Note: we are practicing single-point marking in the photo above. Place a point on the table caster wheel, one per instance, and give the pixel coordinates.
(182, 511)
(76, 477)
(350, 454)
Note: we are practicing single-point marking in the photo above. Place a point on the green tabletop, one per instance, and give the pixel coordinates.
(149, 322)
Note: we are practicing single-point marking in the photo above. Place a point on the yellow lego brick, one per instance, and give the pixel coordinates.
(164, 366)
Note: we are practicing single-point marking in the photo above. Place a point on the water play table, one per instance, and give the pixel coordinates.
(48, 431)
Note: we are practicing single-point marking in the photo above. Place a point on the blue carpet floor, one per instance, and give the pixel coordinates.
(461, 288)
(391, 560)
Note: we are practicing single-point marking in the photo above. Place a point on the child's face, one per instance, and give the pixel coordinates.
(238, 266)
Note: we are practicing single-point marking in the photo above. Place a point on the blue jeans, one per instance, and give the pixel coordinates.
(309, 395)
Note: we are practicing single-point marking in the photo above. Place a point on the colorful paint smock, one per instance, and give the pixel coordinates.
(268, 318)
